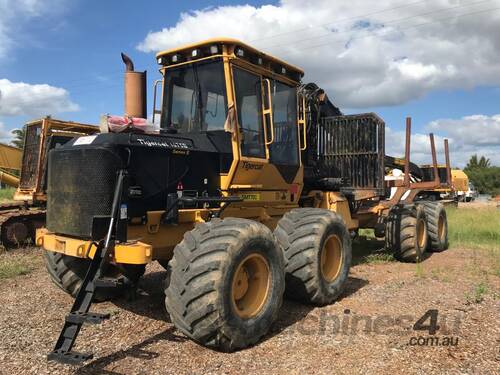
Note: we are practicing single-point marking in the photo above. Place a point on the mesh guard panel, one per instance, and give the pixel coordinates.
(350, 147)
(81, 184)
(30, 157)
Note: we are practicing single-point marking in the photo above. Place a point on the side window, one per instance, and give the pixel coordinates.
(284, 149)
(249, 108)
(215, 111)
(182, 115)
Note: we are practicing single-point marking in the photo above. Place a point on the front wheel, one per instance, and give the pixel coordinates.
(317, 249)
(68, 273)
(227, 282)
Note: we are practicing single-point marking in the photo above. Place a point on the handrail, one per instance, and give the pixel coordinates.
(269, 111)
(302, 121)
(155, 87)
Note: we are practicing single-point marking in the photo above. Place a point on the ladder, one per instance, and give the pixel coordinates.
(93, 280)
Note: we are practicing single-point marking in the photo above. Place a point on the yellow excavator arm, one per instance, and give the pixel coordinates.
(10, 159)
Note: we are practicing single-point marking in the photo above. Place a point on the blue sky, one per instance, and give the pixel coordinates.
(76, 45)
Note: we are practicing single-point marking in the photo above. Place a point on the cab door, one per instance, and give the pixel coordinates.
(269, 165)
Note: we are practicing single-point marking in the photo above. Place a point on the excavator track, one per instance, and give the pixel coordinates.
(18, 223)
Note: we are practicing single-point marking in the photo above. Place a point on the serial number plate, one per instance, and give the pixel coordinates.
(250, 196)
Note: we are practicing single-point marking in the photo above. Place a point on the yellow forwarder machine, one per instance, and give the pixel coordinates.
(244, 149)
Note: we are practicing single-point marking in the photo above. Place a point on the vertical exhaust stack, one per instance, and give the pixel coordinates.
(135, 90)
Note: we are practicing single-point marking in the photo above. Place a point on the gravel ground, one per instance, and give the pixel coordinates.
(367, 331)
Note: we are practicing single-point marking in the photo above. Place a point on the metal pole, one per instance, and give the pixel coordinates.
(448, 167)
(407, 152)
(434, 160)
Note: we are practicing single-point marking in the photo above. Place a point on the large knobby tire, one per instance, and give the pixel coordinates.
(406, 233)
(227, 283)
(68, 272)
(317, 249)
(437, 226)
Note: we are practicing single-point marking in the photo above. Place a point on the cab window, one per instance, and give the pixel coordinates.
(195, 98)
(284, 149)
(249, 110)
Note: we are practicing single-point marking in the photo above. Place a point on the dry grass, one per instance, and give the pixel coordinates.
(13, 267)
(18, 262)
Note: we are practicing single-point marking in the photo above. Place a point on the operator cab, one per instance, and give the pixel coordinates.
(244, 100)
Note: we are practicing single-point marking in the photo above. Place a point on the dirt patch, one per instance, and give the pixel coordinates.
(367, 331)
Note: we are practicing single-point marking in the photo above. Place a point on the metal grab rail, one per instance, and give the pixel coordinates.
(268, 111)
(155, 87)
(301, 113)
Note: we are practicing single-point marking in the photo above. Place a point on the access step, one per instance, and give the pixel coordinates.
(69, 358)
(107, 283)
(77, 317)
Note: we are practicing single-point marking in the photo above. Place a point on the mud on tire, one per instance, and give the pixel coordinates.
(308, 237)
(406, 233)
(207, 285)
(68, 272)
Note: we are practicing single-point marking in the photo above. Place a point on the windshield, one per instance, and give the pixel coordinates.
(194, 98)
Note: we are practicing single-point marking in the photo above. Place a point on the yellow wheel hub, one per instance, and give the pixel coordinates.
(331, 258)
(250, 286)
(421, 233)
(441, 227)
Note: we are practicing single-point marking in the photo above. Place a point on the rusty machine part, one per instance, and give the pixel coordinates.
(135, 90)
(9, 179)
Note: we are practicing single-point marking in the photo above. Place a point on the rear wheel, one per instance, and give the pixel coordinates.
(406, 233)
(437, 226)
(68, 272)
(317, 249)
(227, 282)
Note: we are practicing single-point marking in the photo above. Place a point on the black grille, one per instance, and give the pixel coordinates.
(81, 184)
(351, 148)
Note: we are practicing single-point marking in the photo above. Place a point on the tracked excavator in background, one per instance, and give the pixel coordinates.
(251, 190)
(20, 217)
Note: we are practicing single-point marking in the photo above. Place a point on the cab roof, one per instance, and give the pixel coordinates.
(234, 44)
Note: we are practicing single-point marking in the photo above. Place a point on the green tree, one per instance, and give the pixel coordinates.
(472, 162)
(18, 140)
(484, 176)
(483, 162)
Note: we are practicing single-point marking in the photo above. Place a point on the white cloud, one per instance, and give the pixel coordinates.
(420, 146)
(478, 134)
(19, 98)
(476, 130)
(383, 58)
(5, 135)
(16, 13)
